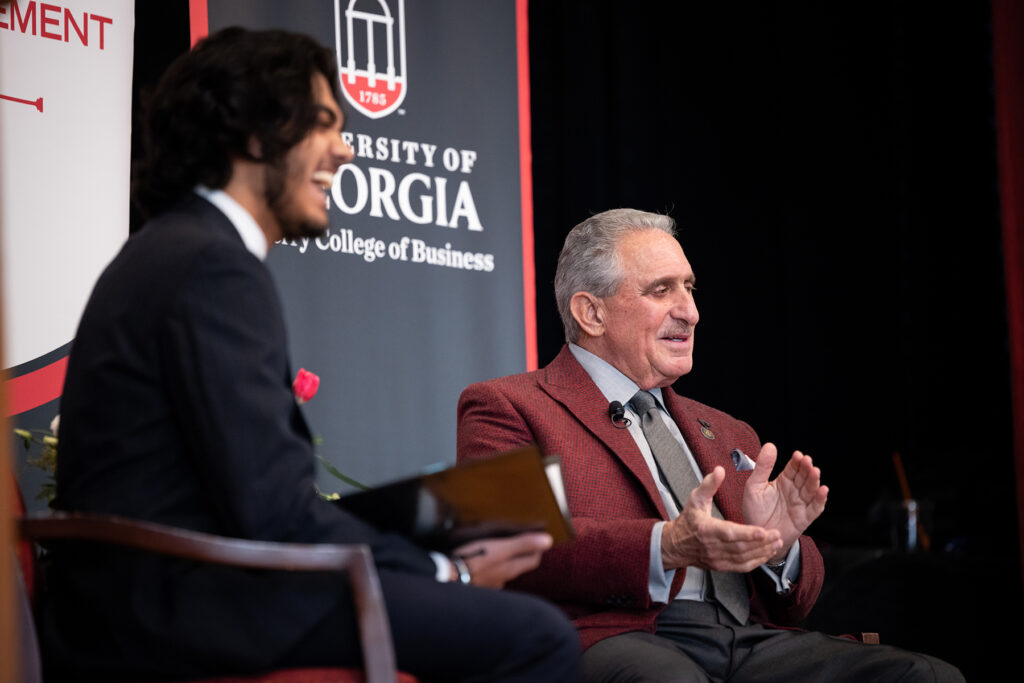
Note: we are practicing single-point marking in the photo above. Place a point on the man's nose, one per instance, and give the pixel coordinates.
(685, 307)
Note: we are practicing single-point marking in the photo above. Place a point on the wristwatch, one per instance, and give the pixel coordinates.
(463, 569)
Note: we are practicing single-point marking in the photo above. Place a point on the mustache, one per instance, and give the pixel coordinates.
(678, 330)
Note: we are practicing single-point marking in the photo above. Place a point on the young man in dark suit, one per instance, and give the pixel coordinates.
(178, 409)
(666, 581)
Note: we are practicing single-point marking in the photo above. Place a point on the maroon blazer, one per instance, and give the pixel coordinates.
(601, 578)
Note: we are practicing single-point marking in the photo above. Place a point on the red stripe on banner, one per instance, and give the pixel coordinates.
(526, 181)
(1008, 62)
(198, 20)
(35, 388)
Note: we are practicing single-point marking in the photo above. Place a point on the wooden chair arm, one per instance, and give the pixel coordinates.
(374, 631)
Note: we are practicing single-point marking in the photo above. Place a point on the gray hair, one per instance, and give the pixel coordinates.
(589, 261)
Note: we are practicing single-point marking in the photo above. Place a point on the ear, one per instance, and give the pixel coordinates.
(255, 149)
(588, 311)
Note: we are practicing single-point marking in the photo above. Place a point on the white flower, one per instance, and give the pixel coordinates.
(55, 424)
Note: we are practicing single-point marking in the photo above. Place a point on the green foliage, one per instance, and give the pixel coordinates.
(45, 460)
(337, 473)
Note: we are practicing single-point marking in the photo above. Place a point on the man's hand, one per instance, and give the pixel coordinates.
(790, 503)
(493, 562)
(696, 539)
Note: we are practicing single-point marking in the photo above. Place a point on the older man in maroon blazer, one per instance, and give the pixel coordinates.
(688, 558)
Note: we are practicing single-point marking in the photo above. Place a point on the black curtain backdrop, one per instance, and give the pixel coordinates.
(832, 168)
(833, 172)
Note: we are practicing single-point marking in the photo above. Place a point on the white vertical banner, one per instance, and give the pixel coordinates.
(65, 148)
(65, 155)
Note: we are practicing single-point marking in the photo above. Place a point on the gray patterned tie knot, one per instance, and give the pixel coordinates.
(643, 401)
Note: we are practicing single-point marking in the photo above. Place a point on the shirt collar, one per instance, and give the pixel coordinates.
(613, 384)
(248, 229)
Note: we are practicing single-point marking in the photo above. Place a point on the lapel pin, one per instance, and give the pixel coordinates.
(705, 429)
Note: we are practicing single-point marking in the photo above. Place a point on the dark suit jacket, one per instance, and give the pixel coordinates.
(601, 578)
(177, 408)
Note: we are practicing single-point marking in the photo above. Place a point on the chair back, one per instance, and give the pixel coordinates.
(355, 560)
(30, 668)
(24, 560)
(25, 553)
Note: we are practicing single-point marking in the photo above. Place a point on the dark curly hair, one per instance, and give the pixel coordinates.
(234, 86)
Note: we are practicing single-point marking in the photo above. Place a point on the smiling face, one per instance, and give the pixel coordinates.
(296, 187)
(646, 328)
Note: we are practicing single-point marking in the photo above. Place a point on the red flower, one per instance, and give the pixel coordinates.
(305, 385)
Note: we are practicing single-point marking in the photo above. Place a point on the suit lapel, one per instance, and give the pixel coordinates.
(208, 213)
(709, 449)
(565, 380)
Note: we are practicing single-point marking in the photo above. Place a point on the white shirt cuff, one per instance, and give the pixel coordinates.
(788, 574)
(659, 581)
(444, 566)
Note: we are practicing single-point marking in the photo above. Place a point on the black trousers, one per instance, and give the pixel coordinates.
(453, 633)
(696, 641)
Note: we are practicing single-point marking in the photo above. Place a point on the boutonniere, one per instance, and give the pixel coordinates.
(305, 385)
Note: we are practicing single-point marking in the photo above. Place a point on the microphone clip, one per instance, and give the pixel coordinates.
(617, 414)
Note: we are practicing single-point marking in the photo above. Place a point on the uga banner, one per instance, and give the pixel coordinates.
(423, 283)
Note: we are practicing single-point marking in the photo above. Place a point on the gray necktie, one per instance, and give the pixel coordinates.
(728, 588)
